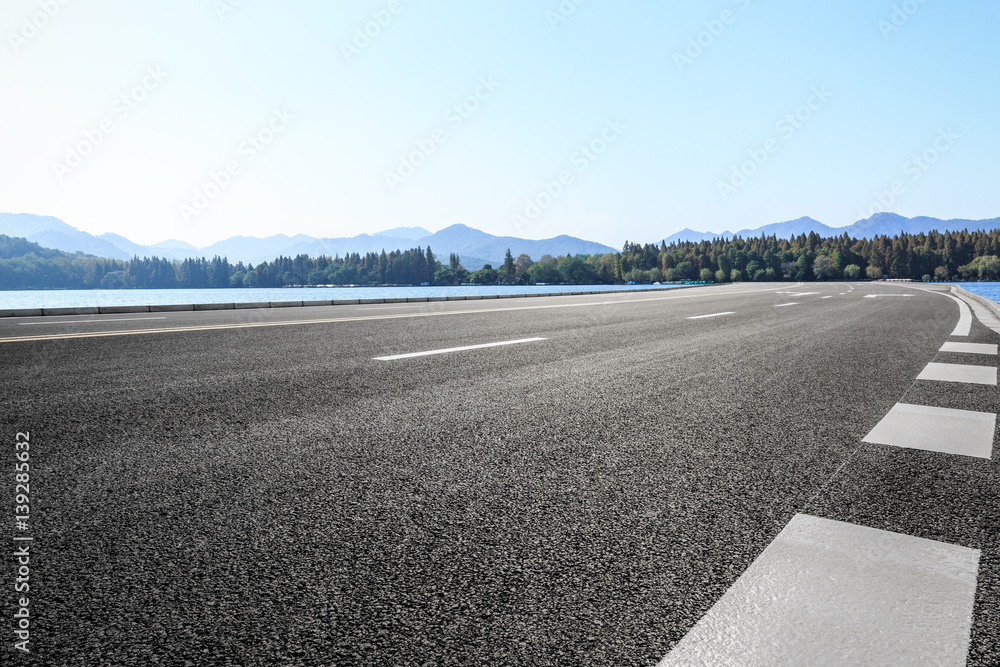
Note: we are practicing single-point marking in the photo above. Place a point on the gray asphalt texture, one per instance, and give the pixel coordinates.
(272, 495)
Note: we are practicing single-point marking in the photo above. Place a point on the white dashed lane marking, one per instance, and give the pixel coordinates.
(827, 592)
(934, 429)
(969, 348)
(456, 349)
(782, 305)
(959, 373)
(832, 593)
(702, 317)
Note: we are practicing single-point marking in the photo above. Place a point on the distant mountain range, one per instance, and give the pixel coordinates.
(474, 247)
(880, 224)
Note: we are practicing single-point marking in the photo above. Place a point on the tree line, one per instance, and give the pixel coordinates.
(932, 256)
(952, 256)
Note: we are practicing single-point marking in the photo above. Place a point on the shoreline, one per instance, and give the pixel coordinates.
(173, 308)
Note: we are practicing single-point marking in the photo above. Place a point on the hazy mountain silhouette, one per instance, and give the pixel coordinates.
(880, 224)
(473, 246)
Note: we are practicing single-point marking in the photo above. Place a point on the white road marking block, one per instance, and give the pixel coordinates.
(457, 349)
(828, 297)
(932, 429)
(969, 348)
(782, 305)
(832, 593)
(876, 296)
(959, 373)
(702, 317)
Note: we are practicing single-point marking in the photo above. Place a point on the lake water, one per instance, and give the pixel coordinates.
(989, 290)
(151, 297)
(156, 297)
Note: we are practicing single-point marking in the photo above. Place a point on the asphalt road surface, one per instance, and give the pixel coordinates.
(282, 487)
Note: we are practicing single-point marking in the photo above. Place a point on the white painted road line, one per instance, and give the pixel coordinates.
(124, 319)
(828, 297)
(969, 348)
(782, 305)
(936, 430)
(702, 317)
(959, 373)
(964, 316)
(831, 593)
(877, 296)
(457, 349)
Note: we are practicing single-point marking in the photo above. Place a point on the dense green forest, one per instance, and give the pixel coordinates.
(934, 256)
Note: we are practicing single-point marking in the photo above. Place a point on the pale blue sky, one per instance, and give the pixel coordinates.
(677, 131)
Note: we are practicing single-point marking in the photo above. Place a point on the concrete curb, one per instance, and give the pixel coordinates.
(180, 307)
(115, 310)
(172, 308)
(86, 310)
(21, 312)
(214, 306)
